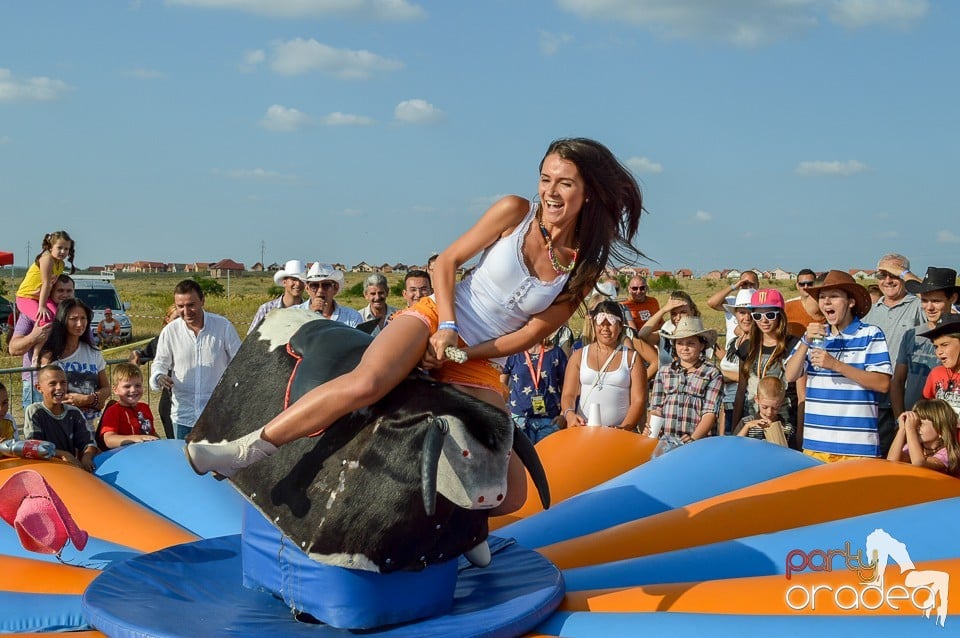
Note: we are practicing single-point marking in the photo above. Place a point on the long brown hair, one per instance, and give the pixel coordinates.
(944, 421)
(610, 216)
(756, 344)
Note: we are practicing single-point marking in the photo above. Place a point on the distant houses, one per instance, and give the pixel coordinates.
(229, 267)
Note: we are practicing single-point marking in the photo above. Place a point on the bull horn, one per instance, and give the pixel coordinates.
(531, 460)
(429, 461)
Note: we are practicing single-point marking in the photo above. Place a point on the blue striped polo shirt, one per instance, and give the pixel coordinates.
(841, 415)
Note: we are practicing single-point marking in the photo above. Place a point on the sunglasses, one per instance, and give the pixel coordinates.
(313, 285)
(883, 274)
(600, 317)
(638, 288)
(805, 284)
(769, 315)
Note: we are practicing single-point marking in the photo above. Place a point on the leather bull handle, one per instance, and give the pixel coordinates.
(429, 461)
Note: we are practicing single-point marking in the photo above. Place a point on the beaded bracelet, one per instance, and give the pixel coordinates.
(448, 325)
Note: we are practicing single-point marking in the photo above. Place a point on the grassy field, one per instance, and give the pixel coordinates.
(150, 294)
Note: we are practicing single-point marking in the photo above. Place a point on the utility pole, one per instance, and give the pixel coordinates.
(262, 246)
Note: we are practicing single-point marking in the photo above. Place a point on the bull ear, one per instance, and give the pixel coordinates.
(524, 450)
(430, 460)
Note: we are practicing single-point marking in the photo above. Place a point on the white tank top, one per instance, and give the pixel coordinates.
(501, 295)
(611, 389)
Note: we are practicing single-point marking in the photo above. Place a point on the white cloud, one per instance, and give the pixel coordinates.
(299, 56)
(948, 237)
(417, 112)
(38, 89)
(252, 59)
(644, 165)
(253, 174)
(703, 216)
(283, 119)
(386, 10)
(347, 119)
(4, 139)
(821, 167)
(862, 13)
(550, 43)
(348, 212)
(145, 74)
(746, 23)
(888, 234)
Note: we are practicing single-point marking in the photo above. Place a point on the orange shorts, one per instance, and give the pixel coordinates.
(475, 373)
(827, 457)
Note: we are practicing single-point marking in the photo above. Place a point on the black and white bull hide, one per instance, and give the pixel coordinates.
(402, 484)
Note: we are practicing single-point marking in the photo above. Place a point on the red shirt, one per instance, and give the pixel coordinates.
(122, 420)
(642, 310)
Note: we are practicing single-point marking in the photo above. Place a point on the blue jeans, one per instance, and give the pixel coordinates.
(30, 394)
(536, 428)
(182, 431)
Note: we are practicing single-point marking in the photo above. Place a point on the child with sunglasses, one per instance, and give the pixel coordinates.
(763, 354)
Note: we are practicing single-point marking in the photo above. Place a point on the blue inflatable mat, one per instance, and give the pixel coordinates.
(682, 625)
(686, 475)
(156, 474)
(196, 589)
(40, 613)
(766, 554)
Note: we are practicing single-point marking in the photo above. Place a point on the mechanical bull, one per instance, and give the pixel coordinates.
(402, 484)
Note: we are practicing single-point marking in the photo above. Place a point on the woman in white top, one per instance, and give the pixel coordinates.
(539, 260)
(71, 347)
(607, 371)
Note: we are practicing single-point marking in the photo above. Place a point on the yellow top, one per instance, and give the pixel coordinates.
(6, 429)
(33, 280)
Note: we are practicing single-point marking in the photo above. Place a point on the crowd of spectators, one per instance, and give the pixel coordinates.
(834, 371)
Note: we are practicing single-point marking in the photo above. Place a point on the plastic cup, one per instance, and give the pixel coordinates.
(593, 414)
(656, 425)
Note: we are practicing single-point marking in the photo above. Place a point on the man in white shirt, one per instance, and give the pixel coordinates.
(323, 283)
(192, 353)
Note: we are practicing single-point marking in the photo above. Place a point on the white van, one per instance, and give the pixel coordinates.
(99, 293)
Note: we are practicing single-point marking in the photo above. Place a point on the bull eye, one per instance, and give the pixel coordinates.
(480, 500)
(499, 497)
(466, 453)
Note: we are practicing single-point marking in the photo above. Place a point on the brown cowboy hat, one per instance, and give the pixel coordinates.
(845, 282)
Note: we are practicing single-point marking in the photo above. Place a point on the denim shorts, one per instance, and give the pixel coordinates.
(536, 428)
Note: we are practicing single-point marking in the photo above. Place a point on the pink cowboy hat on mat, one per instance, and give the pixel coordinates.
(30, 506)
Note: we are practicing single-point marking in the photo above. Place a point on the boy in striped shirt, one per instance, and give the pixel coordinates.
(846, 373)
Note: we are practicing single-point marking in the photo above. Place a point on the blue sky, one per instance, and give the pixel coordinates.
(765, 133)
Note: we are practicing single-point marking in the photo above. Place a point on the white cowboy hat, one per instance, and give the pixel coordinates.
(742, 300)
(325, 272)
(692, 327)
(292, 268)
